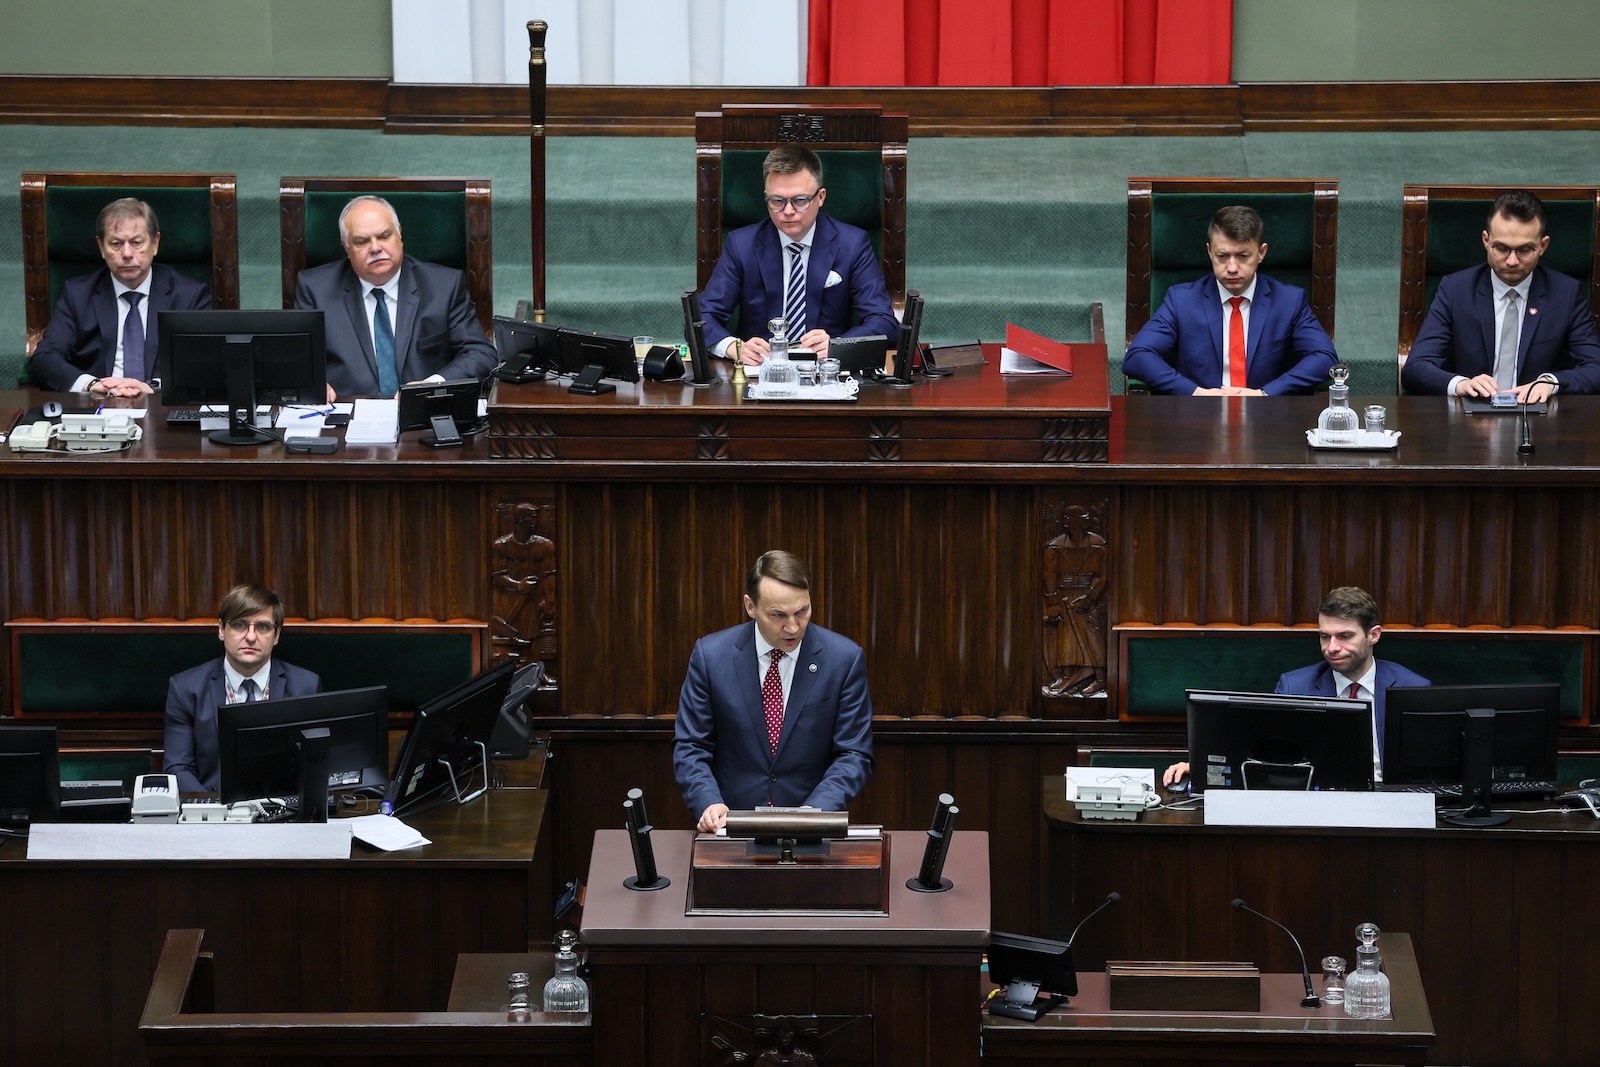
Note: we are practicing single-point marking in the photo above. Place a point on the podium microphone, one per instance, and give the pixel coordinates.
(1524, 431)
(1111, 898)
(1312, 1000)
(930, 879)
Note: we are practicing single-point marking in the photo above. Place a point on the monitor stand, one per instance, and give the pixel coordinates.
(1021, 1000)
(313, 751)
(588, 382)
(241, 431)
(1477, 773)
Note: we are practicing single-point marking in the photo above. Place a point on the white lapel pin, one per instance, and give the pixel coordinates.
(813, 668)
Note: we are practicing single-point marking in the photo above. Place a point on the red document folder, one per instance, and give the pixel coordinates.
(1027, 343)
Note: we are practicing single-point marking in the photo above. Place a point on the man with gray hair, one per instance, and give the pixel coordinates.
(391, 320)
(102, 337)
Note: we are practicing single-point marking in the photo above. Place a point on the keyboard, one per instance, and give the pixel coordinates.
(1524, 789)
(186, 417)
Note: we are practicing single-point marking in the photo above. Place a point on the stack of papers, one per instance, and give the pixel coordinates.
(373, 422)
(386, 832)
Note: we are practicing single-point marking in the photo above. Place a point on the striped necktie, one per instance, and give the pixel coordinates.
(794, 295)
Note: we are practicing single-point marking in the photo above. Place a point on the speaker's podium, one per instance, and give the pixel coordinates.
(837, 961)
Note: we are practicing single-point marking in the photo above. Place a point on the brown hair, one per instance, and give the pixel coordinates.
(1350, 602)
(126, 208)
(792, 159)
(1236, 223)
(780, 566)
(247, 599)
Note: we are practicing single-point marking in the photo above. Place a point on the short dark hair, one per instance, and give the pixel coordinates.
(1350, 602)
(247, 599)
(792, 159)
(1518, 204)
(126, 208)
(1236, 223)
(780, 566)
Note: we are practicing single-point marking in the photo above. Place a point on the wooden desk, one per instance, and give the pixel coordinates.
(378, 932)
(1502, 919)
(900, 986)
(1087, 1032)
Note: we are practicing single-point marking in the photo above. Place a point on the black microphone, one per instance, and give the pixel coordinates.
(1111, 898)
(1312, 1000)
(1525, 442)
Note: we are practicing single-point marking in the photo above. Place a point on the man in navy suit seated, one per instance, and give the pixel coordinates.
(1348, 627)
(1508, 325)
(249, 623)
(1235, 333)
(809, 268)
(102, 337)
(774, 711)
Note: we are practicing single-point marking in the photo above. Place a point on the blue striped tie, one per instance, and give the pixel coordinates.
(383, 346)
(794, 297)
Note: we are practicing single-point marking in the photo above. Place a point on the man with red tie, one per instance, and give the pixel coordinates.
(1235, 333)
(774, 711)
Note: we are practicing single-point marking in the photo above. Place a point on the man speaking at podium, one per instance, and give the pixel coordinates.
(774, 711)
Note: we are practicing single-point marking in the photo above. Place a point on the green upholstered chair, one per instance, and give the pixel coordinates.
(863, 155)
(199, 231)
(1442, 229)
(442, 220)
(1167, 222)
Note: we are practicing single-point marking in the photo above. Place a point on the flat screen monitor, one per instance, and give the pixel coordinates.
(1266, 741)
(1035, 973)
(862, 357)
(241, 359)
(528, 351)
(598, 355)
(30, 775)
(449, 409)
(1474, 736)
(448, 739)
(304, 747)
(694, 334)
(906, 348)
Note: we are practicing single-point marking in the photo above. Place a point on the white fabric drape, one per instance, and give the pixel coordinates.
(603, 42)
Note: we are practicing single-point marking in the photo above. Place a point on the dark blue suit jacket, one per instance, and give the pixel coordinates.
(824, 754)
(1320, 680)
(1180, 349)
(436, 330)
(749, 278)
(81, 337)
(1457, 337)
(193, 697)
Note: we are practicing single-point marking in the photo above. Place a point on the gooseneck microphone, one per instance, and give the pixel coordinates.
(1312, 1000)
(1111, 898)
(1524, 431)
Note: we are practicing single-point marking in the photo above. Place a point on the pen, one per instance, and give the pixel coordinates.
(317, 414)
(101, 410)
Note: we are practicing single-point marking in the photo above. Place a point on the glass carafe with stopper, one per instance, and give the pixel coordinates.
(565, 991)
(1366, 991)
(1337, 424)
(779, 377)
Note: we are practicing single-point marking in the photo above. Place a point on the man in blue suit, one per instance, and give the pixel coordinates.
(774, 711)
(1236, 333)
(102, 337)
(1508, 325)
(1348, 628)
(249, 623)
(819, 273)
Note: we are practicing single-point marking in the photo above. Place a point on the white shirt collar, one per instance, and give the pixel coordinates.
(1249, 293)
(391, 288)
(785, 240)
(1368, 681)
(143, 287)
(1501, 288)
(235, 679)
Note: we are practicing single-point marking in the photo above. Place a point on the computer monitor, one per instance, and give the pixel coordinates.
(30, 775)
(906, 349)
(1474, 735)
(862, 357)
(449, 408)
(241, 359)
(304, 747)
(528, 351)
(694, 333)
(1036, 974)
(594, 356)
(513, 732)
(448, 739)
(1266, 741)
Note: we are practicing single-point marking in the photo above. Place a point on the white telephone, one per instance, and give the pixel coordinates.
(155, 798)
(33, 438)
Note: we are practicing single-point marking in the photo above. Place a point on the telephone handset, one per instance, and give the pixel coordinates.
(155, 798)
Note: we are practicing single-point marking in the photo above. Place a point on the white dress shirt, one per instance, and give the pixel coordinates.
(117, 289)
(1249, 296)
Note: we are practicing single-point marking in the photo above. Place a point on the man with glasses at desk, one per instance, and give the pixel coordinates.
(1509, 325)
(249, 622)
(803, 266)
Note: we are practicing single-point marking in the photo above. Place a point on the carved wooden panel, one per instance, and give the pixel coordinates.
(1075, 583)
(523, 579)
(800, 1040)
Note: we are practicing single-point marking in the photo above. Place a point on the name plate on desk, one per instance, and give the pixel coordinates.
(852, 877)
(1277, 807)
(189, 841)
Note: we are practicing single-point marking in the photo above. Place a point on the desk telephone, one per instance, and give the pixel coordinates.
(155, 798)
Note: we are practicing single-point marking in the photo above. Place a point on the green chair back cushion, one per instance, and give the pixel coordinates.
(1455, 238)
(854, 180)
(105, 766)
(433, 225)
(415, 666)
(1159, 669)
(70, 211)
(1179, 222)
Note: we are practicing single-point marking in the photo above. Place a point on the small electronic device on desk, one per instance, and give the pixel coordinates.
(599, 355)
(450, 409)
(778, 860)
(528, 351)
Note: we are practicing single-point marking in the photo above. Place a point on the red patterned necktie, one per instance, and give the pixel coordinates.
(1355, 692)
(1236, 366)
(772, 700)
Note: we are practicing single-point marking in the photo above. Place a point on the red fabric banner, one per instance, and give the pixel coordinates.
(1020, 42)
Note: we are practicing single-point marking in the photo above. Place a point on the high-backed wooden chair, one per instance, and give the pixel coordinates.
(863, 155)
(442, 220)
(1167, 222)
(199, 231)
(1441, 231)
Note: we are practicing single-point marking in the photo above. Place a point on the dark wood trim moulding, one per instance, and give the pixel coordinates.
(375, 103)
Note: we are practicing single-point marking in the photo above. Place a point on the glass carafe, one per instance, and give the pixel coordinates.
(565, 991)
(779, 377)
(1337, 424)
(1366, 991)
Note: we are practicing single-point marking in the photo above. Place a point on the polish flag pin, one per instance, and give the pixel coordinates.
(1533, 311)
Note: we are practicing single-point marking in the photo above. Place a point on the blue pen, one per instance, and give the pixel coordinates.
(101, 410)
(317, 414)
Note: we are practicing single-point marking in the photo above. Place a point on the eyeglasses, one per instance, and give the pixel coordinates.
(244, 626)
(799, 203)
(1502, 251)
